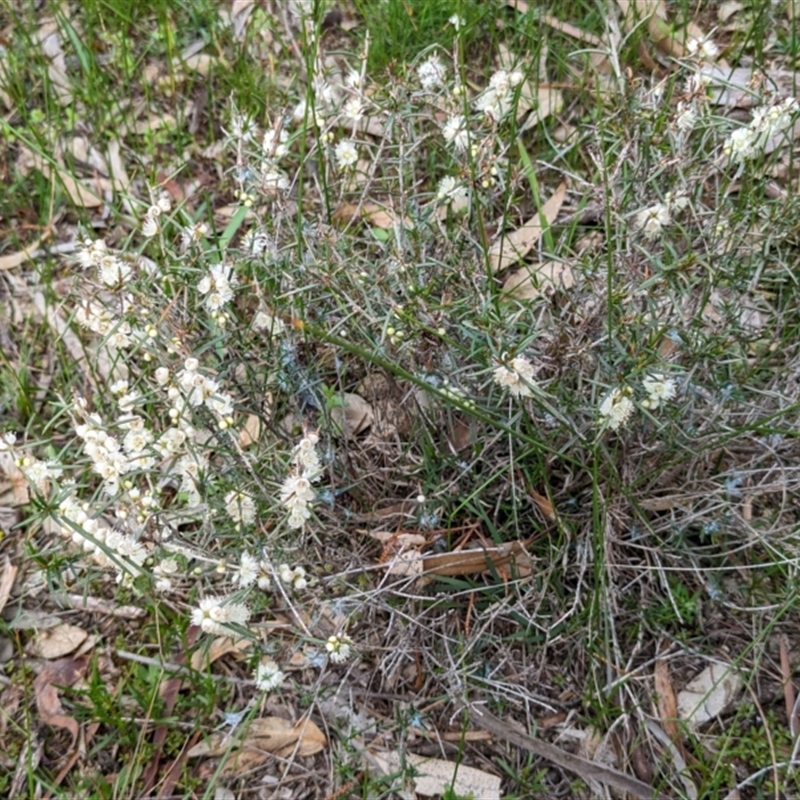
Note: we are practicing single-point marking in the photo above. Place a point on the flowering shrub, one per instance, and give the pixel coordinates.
(345, 341)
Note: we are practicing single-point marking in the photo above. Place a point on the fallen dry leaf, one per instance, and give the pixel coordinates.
(434, 776)
(265, 736)
(534, 280)
(708, 694)
(57, 642)
(78, 193)
(7, 581)
(513, 247)
(65, 672)
(353, 416)
(470, 562)
(13, 260)
(370, 212)
(251, 431)
(203, 657)
(570, 30)
(543, 503)
(665, 696)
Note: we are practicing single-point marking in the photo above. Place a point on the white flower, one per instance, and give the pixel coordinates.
(162, 376)
(455, 132)
(248, 571)
(457, 22)
(215, 613)
(702, 49)
(452, 192)
(150, 226)
(268, 676)
(353, 109)
(339, 648)
(346, 154)
(660, 390)
(240, 508)
(740, 145)
(652, 219)
(617, 408)
(263, 321)
(306, 458)
(516, 376)
(432, 73)
(112, 270)
(217, 285)
(37, 472)
(163, 572)
(296, 493)
(686, 118)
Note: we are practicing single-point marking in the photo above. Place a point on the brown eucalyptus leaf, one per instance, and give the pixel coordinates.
(353, 416)
(513, 247)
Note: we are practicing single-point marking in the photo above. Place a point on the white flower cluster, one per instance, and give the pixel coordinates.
(151, 225)
(653, 219)
(617, 407)
(240, 508)
(217, 285)
(295, 577)
(109, 460)
(768, 122)
(37, 473)
(516, 375)
(96, 538)
(456, 133)
(195, 389)
(702, 49)
(497, 99)
(274, 146)
(251, 570)
(216, 614)
(296, 492)
(432, 73)
(346, 154)
(453, 193)
(99, 319)
(268, 675)
(340, 648)
(164, 572)
(111, 271)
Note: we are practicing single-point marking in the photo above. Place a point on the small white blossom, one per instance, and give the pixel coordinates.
(240, 508)
(452, 192)
(653, 219)
(455, 132)
(217, 285)
(346, 154)
(702, 49)
(214, 614)
(432, 73)
(740, 145)
(617, 408)
(163, 572)
(457, 22)
(248, 570)
(150, 227)
(268, 676)
(517, 376)
(686, 118)
(353, 109)
(339, 648)
(263, 321)
(660, 390)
